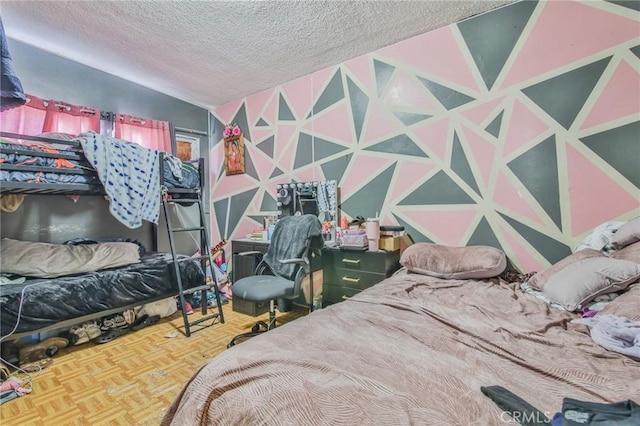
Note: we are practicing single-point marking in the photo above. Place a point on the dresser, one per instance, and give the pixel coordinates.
(348, 272)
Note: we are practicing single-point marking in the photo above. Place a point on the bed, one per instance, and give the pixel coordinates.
(91, 164)
(413, 349)
(49, 303)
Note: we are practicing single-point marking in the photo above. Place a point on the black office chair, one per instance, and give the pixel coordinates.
(278, 276)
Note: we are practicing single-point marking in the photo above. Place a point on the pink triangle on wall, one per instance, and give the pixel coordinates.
(299, 96)
(334, 122)
(233, 184)
(379, 123)
(477, 112)
(620, 97)
(283, 137)
(564, 33)
(363, 168)
(263, 164)
(435, 52)
(506, 194)
(360, 68)
(244, 227)
(411, 173)
(227, 111)
(434, 135)
(524, 126)
(405, 91)
(308, 174)
(255, 104)
(449, 226)
(484, 153)
(260, 134)
(594, 197)
(271, 109)
(519, 255)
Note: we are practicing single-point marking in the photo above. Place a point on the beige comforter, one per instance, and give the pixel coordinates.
(410, 350)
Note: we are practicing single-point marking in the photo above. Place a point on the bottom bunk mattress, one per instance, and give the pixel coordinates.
(46, 302)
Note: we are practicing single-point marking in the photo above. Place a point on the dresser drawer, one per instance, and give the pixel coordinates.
(377, 262)
(353, 278)
(335, 294)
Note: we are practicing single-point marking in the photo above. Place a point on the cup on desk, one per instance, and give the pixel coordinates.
(373, 233)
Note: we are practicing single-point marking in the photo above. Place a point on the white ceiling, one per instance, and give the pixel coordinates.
(212, 52)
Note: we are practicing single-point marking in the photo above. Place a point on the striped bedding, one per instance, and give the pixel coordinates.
(410, 350)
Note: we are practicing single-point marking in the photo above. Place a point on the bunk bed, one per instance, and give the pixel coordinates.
(59, 165)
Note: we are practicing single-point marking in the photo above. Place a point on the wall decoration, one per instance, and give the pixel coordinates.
(233, 150)
(187, 147)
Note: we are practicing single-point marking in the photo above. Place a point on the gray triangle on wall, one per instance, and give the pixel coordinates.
(439, 189)
(409, 118)
(331, 94)
(304, 151)
(552, 250)
(267, 146)
(631, 4)
(261, 123)
(276, 172)
(491, 37)
(359, 104)
(448, 97)
(563, 96)
(241, 120)
(249, 167)
(460, 164)
(399, 145)
(216, 131)
(238, 206)
(268, 203)
(537, 169)
(494, 127)
(221, 207)
(636, 50)
(335, 169)
(369, 200)
(620, 148)
(323, 148)
(284, 112)
(383, 74)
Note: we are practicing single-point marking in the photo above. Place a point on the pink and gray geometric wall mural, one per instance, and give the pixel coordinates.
(518, 128)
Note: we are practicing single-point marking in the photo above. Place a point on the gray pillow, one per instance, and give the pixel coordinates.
(583, 281)
(628, 233)
(473, 262)
(539, 280)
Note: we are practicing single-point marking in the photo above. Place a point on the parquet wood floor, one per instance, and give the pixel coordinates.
(129, 381)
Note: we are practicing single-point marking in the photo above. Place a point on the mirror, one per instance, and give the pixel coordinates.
(319, 198)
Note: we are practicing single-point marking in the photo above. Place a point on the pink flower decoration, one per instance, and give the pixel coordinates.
(227, 132)
(236, 131)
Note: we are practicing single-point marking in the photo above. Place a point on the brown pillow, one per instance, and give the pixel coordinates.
(630, 253)
(589, 278)
(539, 280)
(473, 262)
(627, 234)
(626, 305)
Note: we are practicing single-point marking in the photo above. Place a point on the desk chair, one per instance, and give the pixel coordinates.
(278, 277)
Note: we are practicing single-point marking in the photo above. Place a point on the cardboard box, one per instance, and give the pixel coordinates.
(390, 243)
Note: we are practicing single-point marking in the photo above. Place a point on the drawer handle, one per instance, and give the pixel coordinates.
(345, 297)
(351, 280)
(351, 261)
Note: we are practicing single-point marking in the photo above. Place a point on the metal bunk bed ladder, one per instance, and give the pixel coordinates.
(205, 257)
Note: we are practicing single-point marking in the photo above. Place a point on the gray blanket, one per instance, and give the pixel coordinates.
(289, 241)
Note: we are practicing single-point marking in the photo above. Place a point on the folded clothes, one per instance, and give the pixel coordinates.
(583, 413)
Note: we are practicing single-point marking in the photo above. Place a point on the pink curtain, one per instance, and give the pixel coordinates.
(27, 119)
(39, 115)
(153, 134)
(71, 119)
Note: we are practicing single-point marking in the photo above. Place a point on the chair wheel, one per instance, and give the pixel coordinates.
(255, 328)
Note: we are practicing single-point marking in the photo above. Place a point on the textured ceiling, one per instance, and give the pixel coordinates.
(209, 53)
